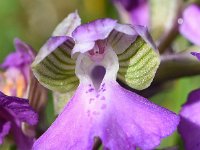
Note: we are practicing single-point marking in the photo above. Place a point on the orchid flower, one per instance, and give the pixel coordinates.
(137, 11)
(14, 111)
(102, 50)
(190, 122)
(14, 81)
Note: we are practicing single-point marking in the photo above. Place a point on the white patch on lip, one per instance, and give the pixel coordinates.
(85, 66)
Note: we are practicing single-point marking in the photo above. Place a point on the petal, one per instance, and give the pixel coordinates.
(122, 122)
(133, 120)
(196, 54)
(71, 130)
(54, 67)
(190, 26)
(67, 26)
(4, 129)
(19, 108)
(22, 56)
(190, 123)
(95, 30)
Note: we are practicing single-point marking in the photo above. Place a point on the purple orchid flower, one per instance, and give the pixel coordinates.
(190, 122)
(190, 26)
(21, 59)
(14, 111)
(100, 107)
(137, 11)
(15, 79)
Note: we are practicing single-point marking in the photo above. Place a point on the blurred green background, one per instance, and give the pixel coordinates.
(34, 21)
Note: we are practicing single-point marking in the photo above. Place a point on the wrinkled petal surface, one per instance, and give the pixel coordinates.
(189, 126)
(190, 26)
(19, 108)
(122, 119)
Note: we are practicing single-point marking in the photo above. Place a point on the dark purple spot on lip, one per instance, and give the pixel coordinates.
(103, 84)
(104, 90)
(90, 90)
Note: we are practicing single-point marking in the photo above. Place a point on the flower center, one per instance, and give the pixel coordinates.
(94, 68)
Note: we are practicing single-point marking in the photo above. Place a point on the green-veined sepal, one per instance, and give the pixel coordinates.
(139, 62)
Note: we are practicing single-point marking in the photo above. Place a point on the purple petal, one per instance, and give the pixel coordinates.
(196, 54)
(4, 129)
(190, 26)
(95, 30)
(122, 119)
(138, 11)
(22, 56)
(19, 108)
(189, 126)
(22, 141)
(21, 59)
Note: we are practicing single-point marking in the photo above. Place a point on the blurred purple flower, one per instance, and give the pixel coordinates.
(189, 126)
(14, 111)
(100, 107)
(137, 11)
(21, 59)
(14, 80)
(190, 26)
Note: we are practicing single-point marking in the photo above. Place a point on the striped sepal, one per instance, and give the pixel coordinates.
(138, 64)
(56, 70)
